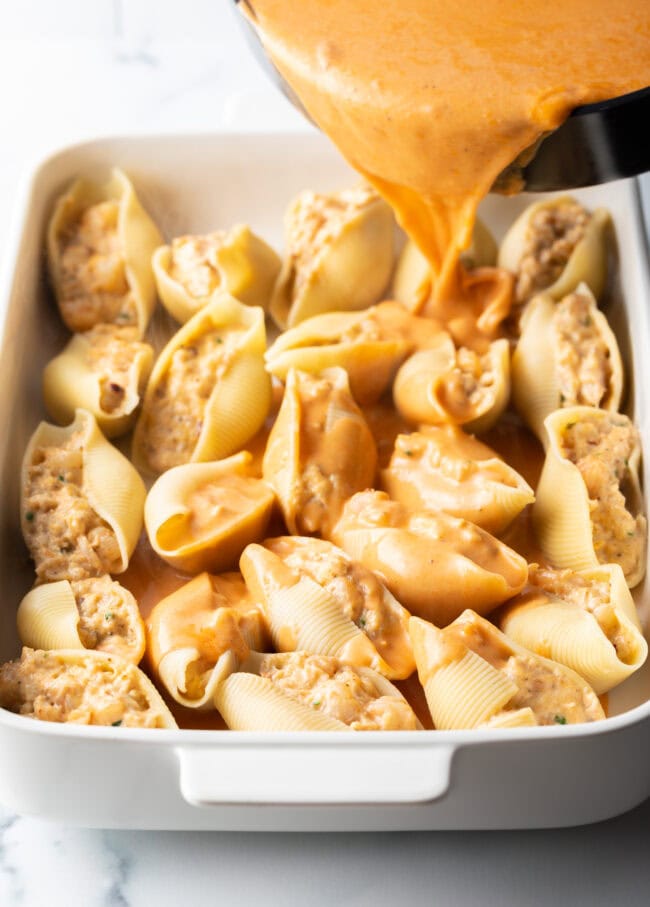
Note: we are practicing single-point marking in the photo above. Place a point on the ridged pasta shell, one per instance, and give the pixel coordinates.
(430, 386)
(189, 632)
(357, 696)
(587, 262)
(100, 689)
(442, 468)
(359, 593)
(470, 671)
(94, 614)
(109, 483)
(201, 516)
(435, 564)
(339, 254)
(600, 639)
(302, 615)
(247, 702)
(320, 450)
(80, 378)
(413, 282)
(211, 414)
(243, 264)
(566, 520)
(137, 237)
(369, 345)
(537, 363)
(512, 718)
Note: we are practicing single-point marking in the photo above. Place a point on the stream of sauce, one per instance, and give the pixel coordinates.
(432, 99)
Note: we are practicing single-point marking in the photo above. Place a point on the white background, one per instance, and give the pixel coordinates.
(75, 69)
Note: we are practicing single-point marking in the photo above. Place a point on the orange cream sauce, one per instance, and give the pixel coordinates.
(431, 99)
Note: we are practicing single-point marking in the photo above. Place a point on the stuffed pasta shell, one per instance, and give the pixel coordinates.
(351, 601)
(588, 509)
(99, 246)
(473, 676)
(299, 691)
(320, 450)
(567, 355)
(208, 393)
(96, 613)
(201, 516)
(191, 268)
(555, 245)
(82, 502)
(104, 371)
(369, 345)
(585, 619)
(433, 563)
(445, 384)
(190, 630)
(339, 254)
(442, 468)
(82, 687)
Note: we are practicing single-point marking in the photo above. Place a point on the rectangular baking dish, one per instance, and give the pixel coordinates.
(129, 778)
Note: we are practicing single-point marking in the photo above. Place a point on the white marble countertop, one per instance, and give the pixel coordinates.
(74, 70)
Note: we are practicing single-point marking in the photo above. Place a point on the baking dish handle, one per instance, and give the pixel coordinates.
(378, 773)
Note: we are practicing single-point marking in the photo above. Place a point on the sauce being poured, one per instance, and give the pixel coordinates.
(431, 99)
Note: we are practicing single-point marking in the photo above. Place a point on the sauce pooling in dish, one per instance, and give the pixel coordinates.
(431, 100)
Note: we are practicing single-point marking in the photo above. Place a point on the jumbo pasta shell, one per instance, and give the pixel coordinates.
(320, 450)
(303, 615)
(433, 563)
(603, 643)
(576, 530)
(361, 597)
(201, 516)
(587, 261)
(442, 468)
(209, 392)
(549, 372)
(242, 264)
(137, 237)
(79, 378)
(96, 614)
(339, 255)
(109, 483)
(100, 689)
(431, 386)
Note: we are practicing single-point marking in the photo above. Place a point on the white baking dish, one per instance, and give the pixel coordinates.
(535, 777)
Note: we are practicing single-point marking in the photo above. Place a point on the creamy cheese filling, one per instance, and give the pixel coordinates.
(108, 616)
(65, 536)
(194, 264)
(583, 366)
(94, 285)
(110, 355)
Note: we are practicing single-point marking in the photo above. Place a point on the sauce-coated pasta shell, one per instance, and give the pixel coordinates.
(339, 254)
(413, 280)
(201, 516)
(320, 450)
(555, 245)
(82, 686)
(588, 506)
(360, 594)
(444, 384)
(303, 615)
(104, 371)
(200, 633)
(209, 392)
(369, 345)
(567, 355)
(94, 613)
(435, 564)
(82, 502)
(188, 271)
(442, 468)
(99, 245)
(584, 619)
(473, 675)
